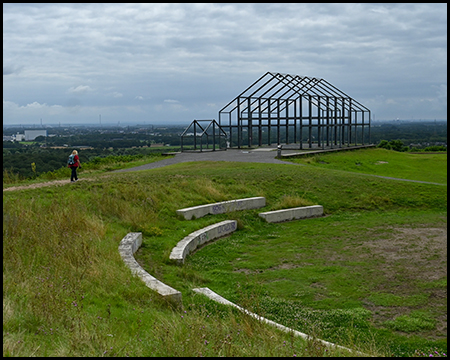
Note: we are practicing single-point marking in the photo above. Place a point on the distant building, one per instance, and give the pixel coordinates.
(33, 134)
(81, 147)
(18, 137)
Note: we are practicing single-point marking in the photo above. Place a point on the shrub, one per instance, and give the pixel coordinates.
(435, 148)
(396, 145)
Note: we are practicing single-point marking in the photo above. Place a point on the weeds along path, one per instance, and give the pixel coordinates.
(39, 185)
(47, 183)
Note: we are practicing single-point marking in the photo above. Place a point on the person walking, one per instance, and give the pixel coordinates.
(74, 164)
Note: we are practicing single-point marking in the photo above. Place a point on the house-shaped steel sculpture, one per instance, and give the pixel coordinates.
(204, 135)
(292, 109)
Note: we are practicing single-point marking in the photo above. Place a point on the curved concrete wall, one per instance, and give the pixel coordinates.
(222, 207)
(127, 247)
(199, 237)
(132, 241)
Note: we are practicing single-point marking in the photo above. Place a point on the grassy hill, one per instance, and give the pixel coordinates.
(370, 275)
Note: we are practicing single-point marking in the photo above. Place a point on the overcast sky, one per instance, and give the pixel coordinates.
(173, 63)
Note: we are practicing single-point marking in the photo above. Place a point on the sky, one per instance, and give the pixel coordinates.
(173, 63)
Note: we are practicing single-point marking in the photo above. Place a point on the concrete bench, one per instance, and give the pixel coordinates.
(199, 237)
(127, 247)
(222, 207)
(292, 214)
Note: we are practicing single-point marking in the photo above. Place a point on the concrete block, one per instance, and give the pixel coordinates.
(292, 214)
(222, 207)
(200, 237)
(127, 247)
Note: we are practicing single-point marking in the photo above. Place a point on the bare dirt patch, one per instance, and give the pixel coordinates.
(421, 251)
(409, 256)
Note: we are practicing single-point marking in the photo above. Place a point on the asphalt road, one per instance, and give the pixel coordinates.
(268, 156)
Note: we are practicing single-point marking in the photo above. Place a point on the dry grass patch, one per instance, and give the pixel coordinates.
(291, 201)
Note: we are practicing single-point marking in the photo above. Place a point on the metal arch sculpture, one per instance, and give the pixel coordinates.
(287, 107)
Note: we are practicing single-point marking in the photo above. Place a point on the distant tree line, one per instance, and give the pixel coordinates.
(398, 145)
(19, 160)
(17, 157)
(410, 132)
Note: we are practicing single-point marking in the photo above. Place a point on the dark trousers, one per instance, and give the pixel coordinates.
(74, 176)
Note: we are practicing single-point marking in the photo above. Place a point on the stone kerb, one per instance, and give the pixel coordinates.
(221, 300)
(292, 214)
(222, 207)
(127, 247)
(199, 237)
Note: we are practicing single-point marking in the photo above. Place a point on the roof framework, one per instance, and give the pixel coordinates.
(203, 135)
(289, 109)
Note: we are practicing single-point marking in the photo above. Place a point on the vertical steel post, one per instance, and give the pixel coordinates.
(214, 134)
(249, 123)
(310, 121)
(286, 112)
(259, 122)
(362, 126)
(349, 140)
(295, 121)
(269, 122)
(343, 122)
(278, 121)
(195, 135)
(335, 122)
(301, 121)
(239, 122)
(319, 123)
(230, 129)
(328, 120)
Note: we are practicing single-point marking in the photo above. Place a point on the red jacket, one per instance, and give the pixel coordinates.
(77, 161)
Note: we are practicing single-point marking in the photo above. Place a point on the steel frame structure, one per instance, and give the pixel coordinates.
(285, 108)
(205, 134)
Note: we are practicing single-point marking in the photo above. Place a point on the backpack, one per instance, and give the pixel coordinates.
(71, 160)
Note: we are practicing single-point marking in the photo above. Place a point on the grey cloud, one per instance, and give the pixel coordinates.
(207, 53)
(8, 70)
(11, 69)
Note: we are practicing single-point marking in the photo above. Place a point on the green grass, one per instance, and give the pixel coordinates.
(310, 266)
(66, 291)
(416, 321)
(423, 166)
